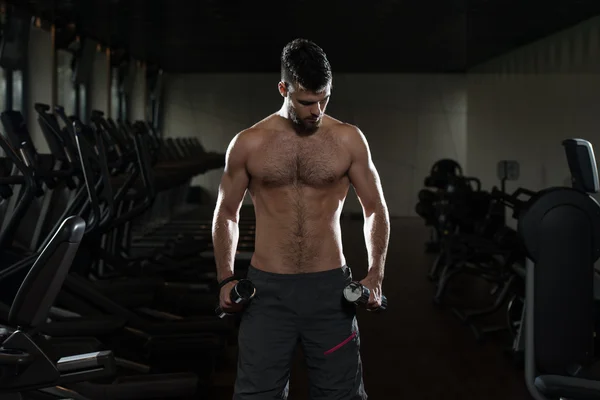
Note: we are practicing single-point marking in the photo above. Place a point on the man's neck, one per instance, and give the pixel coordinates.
(300, 130)
(283, 112)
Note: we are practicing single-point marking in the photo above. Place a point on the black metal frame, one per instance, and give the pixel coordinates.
(559, 229)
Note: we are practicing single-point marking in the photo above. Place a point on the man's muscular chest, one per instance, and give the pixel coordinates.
(283, 160)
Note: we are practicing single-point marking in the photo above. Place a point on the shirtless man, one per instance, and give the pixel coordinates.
(298, 165)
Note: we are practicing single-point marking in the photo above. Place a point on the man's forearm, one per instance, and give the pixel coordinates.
(377, 234)
(225, 236)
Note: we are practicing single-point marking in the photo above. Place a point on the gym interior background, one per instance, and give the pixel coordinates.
(477, 82)
(497, 109)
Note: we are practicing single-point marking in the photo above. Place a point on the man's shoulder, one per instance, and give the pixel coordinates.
(254, 131)
(249, 134)
(252, 137)
(261, 128)
(345, 130)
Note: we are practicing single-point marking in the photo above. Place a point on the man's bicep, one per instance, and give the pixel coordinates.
(234, 182)
(365, 179)
(364, 175)
(232, 190)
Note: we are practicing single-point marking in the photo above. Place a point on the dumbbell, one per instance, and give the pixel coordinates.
(359, 294)
(243, 291)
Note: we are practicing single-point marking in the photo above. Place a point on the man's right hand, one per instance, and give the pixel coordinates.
(225, 299)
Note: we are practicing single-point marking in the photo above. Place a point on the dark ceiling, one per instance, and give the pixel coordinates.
(358, 36)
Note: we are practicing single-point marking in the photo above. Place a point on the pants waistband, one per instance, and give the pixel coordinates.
(258, 273)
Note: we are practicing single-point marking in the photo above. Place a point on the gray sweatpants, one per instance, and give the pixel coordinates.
(306, 308)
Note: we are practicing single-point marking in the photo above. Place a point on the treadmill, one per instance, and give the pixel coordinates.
(26, 346)
(21, 346)
(93, 302)
(193, 340)
(143, 196)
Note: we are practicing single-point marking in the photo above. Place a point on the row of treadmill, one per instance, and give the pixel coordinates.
(522, 264)
(107, 278)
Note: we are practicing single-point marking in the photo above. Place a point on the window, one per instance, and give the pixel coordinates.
(124, 111)
(17, 90)
(153, 102)
(66, 94)
(115, 95)
(3, 94)
(82, 106)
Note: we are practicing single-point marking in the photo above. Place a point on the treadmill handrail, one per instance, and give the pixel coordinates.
(25, 200)
(15, 357)
(39, 289)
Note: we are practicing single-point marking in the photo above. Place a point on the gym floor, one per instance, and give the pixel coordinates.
(413, 350)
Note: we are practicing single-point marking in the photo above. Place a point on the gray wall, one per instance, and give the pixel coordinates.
(523, 104)
(519, 106)
(409, 120)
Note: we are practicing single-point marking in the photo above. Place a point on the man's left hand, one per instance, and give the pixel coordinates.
(373, 283)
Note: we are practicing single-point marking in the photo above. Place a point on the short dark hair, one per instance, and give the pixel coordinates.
(305, 63)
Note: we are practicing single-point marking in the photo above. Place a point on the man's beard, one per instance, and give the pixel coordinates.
(302, 126)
